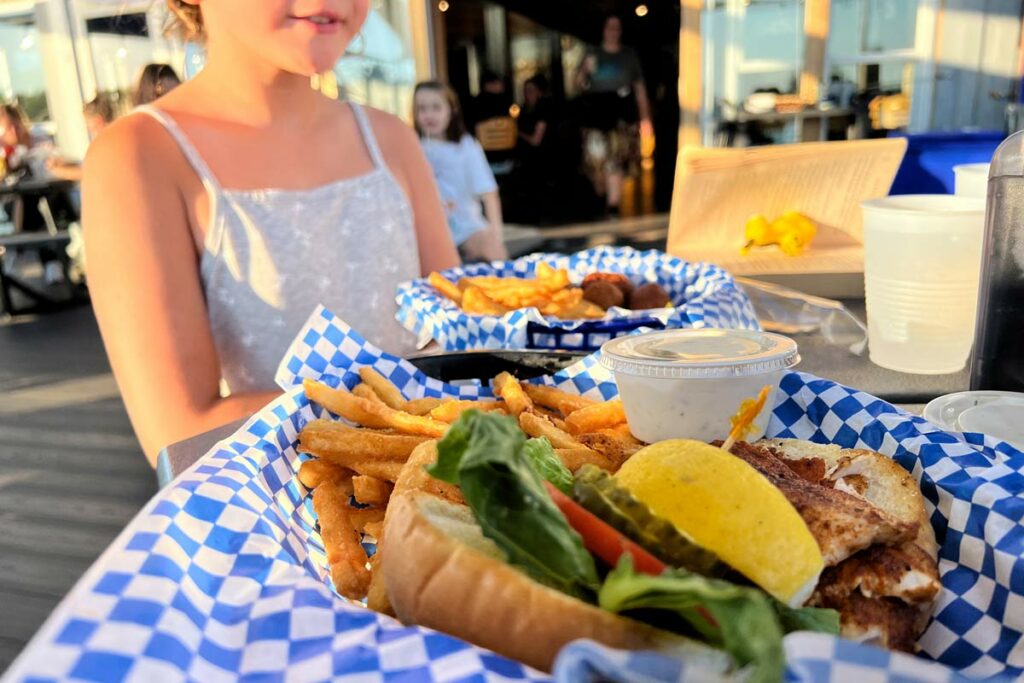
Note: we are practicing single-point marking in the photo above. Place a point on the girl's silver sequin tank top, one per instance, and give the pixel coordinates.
(271, 256)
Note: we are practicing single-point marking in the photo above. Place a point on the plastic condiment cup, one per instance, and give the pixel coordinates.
(687, 384)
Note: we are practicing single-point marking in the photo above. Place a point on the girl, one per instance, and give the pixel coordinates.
(217, 218)
(462, 173)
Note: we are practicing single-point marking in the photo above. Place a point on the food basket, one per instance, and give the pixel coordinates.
(221, 576)
(703, 295)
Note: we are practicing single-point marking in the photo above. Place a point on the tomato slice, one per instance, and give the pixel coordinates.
(605, 541)
(601, 538)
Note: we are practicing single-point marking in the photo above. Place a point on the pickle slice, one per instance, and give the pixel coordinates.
(597, 491)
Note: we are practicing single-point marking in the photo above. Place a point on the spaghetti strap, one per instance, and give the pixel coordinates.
(187, 148)
(369, 139)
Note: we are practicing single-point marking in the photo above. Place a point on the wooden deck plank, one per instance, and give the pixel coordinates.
(71, 472)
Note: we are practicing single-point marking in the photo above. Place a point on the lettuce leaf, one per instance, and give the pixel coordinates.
(500, 476)
(548, 465)
(748, 624)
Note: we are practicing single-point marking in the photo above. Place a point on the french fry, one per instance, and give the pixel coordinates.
(507, 387)
(445, 286)
(452, 410)
(595, 417)
(538, 426)
(370, 490)
(312, 473)
(387, 391)
(366, 391)
(621, 433)
(476, 301)
(341, 402)
(575, 458)
(343, 445)
(378, 469)
(370, 414)
(362, 517)
(556, 399)
(414, 476)
(342, 542)
(422, 406)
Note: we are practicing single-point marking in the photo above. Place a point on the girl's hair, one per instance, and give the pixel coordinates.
(13, 113)
(186, 21)
(151, 83)
(102, 106)
(456, 126)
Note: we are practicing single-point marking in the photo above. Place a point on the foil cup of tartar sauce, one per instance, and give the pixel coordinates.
(687, 384)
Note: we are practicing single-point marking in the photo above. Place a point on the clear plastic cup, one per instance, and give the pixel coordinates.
(922, 259)
(971, 180)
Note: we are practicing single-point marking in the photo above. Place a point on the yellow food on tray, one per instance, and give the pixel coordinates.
(550, 292)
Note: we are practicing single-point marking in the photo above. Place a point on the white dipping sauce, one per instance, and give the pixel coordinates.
(689, 383)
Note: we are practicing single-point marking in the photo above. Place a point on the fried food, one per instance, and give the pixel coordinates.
(650, 295)
(445, 286)
(575, 458)
(556, 399)
(367, 392)
(509, 390)
(550, 292)
(363, 411)
(345, 554)
(596, 417)
(842, 524)
(604, 294)
(422, 406)
(538, 426)
(365, 517)
(343, 445)
(451, 411)
(312, 473)
(387, 391)
(370, 490)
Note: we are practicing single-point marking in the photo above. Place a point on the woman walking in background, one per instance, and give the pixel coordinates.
(616, 100)
(218, 217)
(462, 173)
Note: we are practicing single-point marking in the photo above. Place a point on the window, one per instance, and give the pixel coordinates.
(21, 66)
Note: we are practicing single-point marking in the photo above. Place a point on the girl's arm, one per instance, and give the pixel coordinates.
(404, 155)
(145, 287)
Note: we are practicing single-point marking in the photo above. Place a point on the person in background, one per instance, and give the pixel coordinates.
(99, 113)
(534, 117)
(462, 173)
(534, 152)
(15, 138)
(492, 102)
(220, 216)
(155, 81)
(613, 84)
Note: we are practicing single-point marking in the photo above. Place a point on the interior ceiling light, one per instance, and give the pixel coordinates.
(443, 5)
(641, 10)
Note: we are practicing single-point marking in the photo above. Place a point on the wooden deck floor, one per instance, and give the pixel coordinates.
(71, 472)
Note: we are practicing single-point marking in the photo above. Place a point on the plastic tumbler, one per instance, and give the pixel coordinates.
(971, 180)
(922, 259)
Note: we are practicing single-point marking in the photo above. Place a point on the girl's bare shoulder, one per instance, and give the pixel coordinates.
(394, 135)
(134, 144)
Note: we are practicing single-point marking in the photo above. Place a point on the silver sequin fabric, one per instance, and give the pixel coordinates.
(271, 256)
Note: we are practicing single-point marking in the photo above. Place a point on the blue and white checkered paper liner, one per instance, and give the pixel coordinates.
(705, 296)
(222, 575)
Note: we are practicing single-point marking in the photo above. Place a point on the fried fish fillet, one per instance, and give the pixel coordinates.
(841, 523)
(884, 593)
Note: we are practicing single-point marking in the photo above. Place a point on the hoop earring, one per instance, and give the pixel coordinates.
(354, 51)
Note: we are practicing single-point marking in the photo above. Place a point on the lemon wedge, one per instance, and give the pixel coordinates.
(728, 507)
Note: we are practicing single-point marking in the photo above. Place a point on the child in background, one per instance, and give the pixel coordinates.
(218, 217)
(462, 173)
(155, 81)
